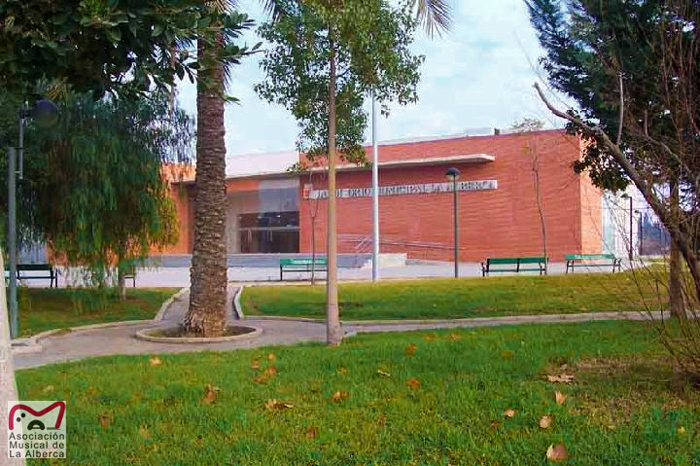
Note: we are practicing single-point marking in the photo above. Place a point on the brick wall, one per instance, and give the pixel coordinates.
(502, 222)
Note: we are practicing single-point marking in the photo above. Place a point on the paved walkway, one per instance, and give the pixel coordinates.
(120, 339)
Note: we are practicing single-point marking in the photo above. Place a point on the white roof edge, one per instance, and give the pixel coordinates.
(470, 158)
(479, 132)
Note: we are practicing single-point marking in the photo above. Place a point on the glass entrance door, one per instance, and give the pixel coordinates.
(269, 232)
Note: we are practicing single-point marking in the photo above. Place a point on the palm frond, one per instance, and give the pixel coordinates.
(434, 15)
(223, 6)
(273, 8)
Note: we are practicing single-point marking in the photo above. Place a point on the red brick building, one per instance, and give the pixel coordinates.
(271, 209)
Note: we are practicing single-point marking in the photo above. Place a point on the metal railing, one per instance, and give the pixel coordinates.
(363, 243)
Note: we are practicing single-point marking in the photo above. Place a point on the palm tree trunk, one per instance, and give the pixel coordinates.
(207, 312)
(334, 334)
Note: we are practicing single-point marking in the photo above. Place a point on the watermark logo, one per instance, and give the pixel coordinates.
(36, 429)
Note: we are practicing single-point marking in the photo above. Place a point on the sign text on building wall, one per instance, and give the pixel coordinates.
(426, 188)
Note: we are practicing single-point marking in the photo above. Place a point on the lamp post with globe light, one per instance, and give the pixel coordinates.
(44, 113)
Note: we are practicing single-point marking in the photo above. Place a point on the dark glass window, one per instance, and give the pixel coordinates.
(269, 219)
(269, 232)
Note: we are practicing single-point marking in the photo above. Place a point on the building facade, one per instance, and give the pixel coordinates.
(517, 195)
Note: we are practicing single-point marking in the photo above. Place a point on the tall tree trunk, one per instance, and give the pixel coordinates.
(8, 390)
(538, 196)
(676, 302)
(313, 250)
(334, 333)
(207, 312)
(121, 284)
(121, 281)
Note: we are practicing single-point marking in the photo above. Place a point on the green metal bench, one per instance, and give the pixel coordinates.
(36, 272)
(593, 260)
(303, 264)
(514, 265)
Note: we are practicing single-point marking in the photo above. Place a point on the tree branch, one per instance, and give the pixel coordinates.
(622, 111)
(675, 230)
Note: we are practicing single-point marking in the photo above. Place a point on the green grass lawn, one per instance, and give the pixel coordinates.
(467, 297)
(42, 309)
(423, 398)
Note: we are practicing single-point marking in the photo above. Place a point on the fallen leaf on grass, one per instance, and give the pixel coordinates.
(144, 433)
(271, 357)
(49, 389)
(413, 383)
(455, 336)
(557, 453)
(342, 370)
(431, 337)
(559, 397)
(312, 432)
(507, 354)
(255, 364)
(265, 375)
(105, 420)
(681, 430)
(276, 404)
(210, 394)
(562, 378)
(411, 349)
(509, 413)
(155, 361)
(384, 373)
(340, 396)
(495, 424)
(545, 422)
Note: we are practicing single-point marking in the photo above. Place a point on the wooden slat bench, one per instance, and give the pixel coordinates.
(593, 260)
(36, 272)
(514, 265)
(303, 264)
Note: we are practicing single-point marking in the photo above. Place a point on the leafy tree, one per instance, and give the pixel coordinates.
(632, 67)
(93, 187)
(98, 46)
(324, 57)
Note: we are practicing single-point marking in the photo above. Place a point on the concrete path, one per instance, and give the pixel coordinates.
(120, 339)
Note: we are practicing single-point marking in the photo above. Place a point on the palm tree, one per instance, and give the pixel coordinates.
(434, 15)
(206, 315)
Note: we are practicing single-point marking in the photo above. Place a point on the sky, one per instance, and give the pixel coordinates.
(479, 75)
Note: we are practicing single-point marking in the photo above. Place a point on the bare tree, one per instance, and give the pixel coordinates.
(528, 126)
(312, 204)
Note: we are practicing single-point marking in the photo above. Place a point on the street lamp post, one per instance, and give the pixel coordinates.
(45, 113)
(375, 193)
(453, 175)
(640, 230)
